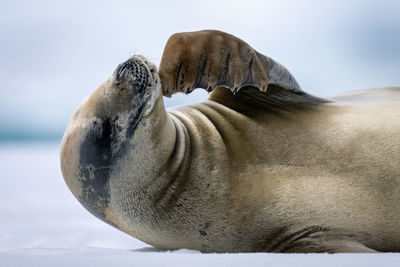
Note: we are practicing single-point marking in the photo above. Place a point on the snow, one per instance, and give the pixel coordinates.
(106, 257)
(42, 224)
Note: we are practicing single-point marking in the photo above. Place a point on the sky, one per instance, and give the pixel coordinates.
(53, 54)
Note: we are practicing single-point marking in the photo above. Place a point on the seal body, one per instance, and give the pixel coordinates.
(228, 176)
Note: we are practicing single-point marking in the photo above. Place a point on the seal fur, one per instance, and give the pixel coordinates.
(260, 166)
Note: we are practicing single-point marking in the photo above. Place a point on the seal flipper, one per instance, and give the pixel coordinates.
(210, 59)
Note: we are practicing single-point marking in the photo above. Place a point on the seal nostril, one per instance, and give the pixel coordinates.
(133, 72)
(120, 70)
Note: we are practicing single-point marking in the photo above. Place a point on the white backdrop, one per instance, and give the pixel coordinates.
(54, 53)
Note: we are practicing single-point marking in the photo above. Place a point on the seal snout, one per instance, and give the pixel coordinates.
(133, 73)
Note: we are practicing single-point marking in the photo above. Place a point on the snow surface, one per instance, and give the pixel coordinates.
(42, 224)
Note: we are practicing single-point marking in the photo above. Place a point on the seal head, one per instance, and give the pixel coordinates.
(103, 128)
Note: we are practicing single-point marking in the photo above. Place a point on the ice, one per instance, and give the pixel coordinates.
(42, 224)
(38, 209)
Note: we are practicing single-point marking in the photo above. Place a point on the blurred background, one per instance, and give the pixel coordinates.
(53, 54)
